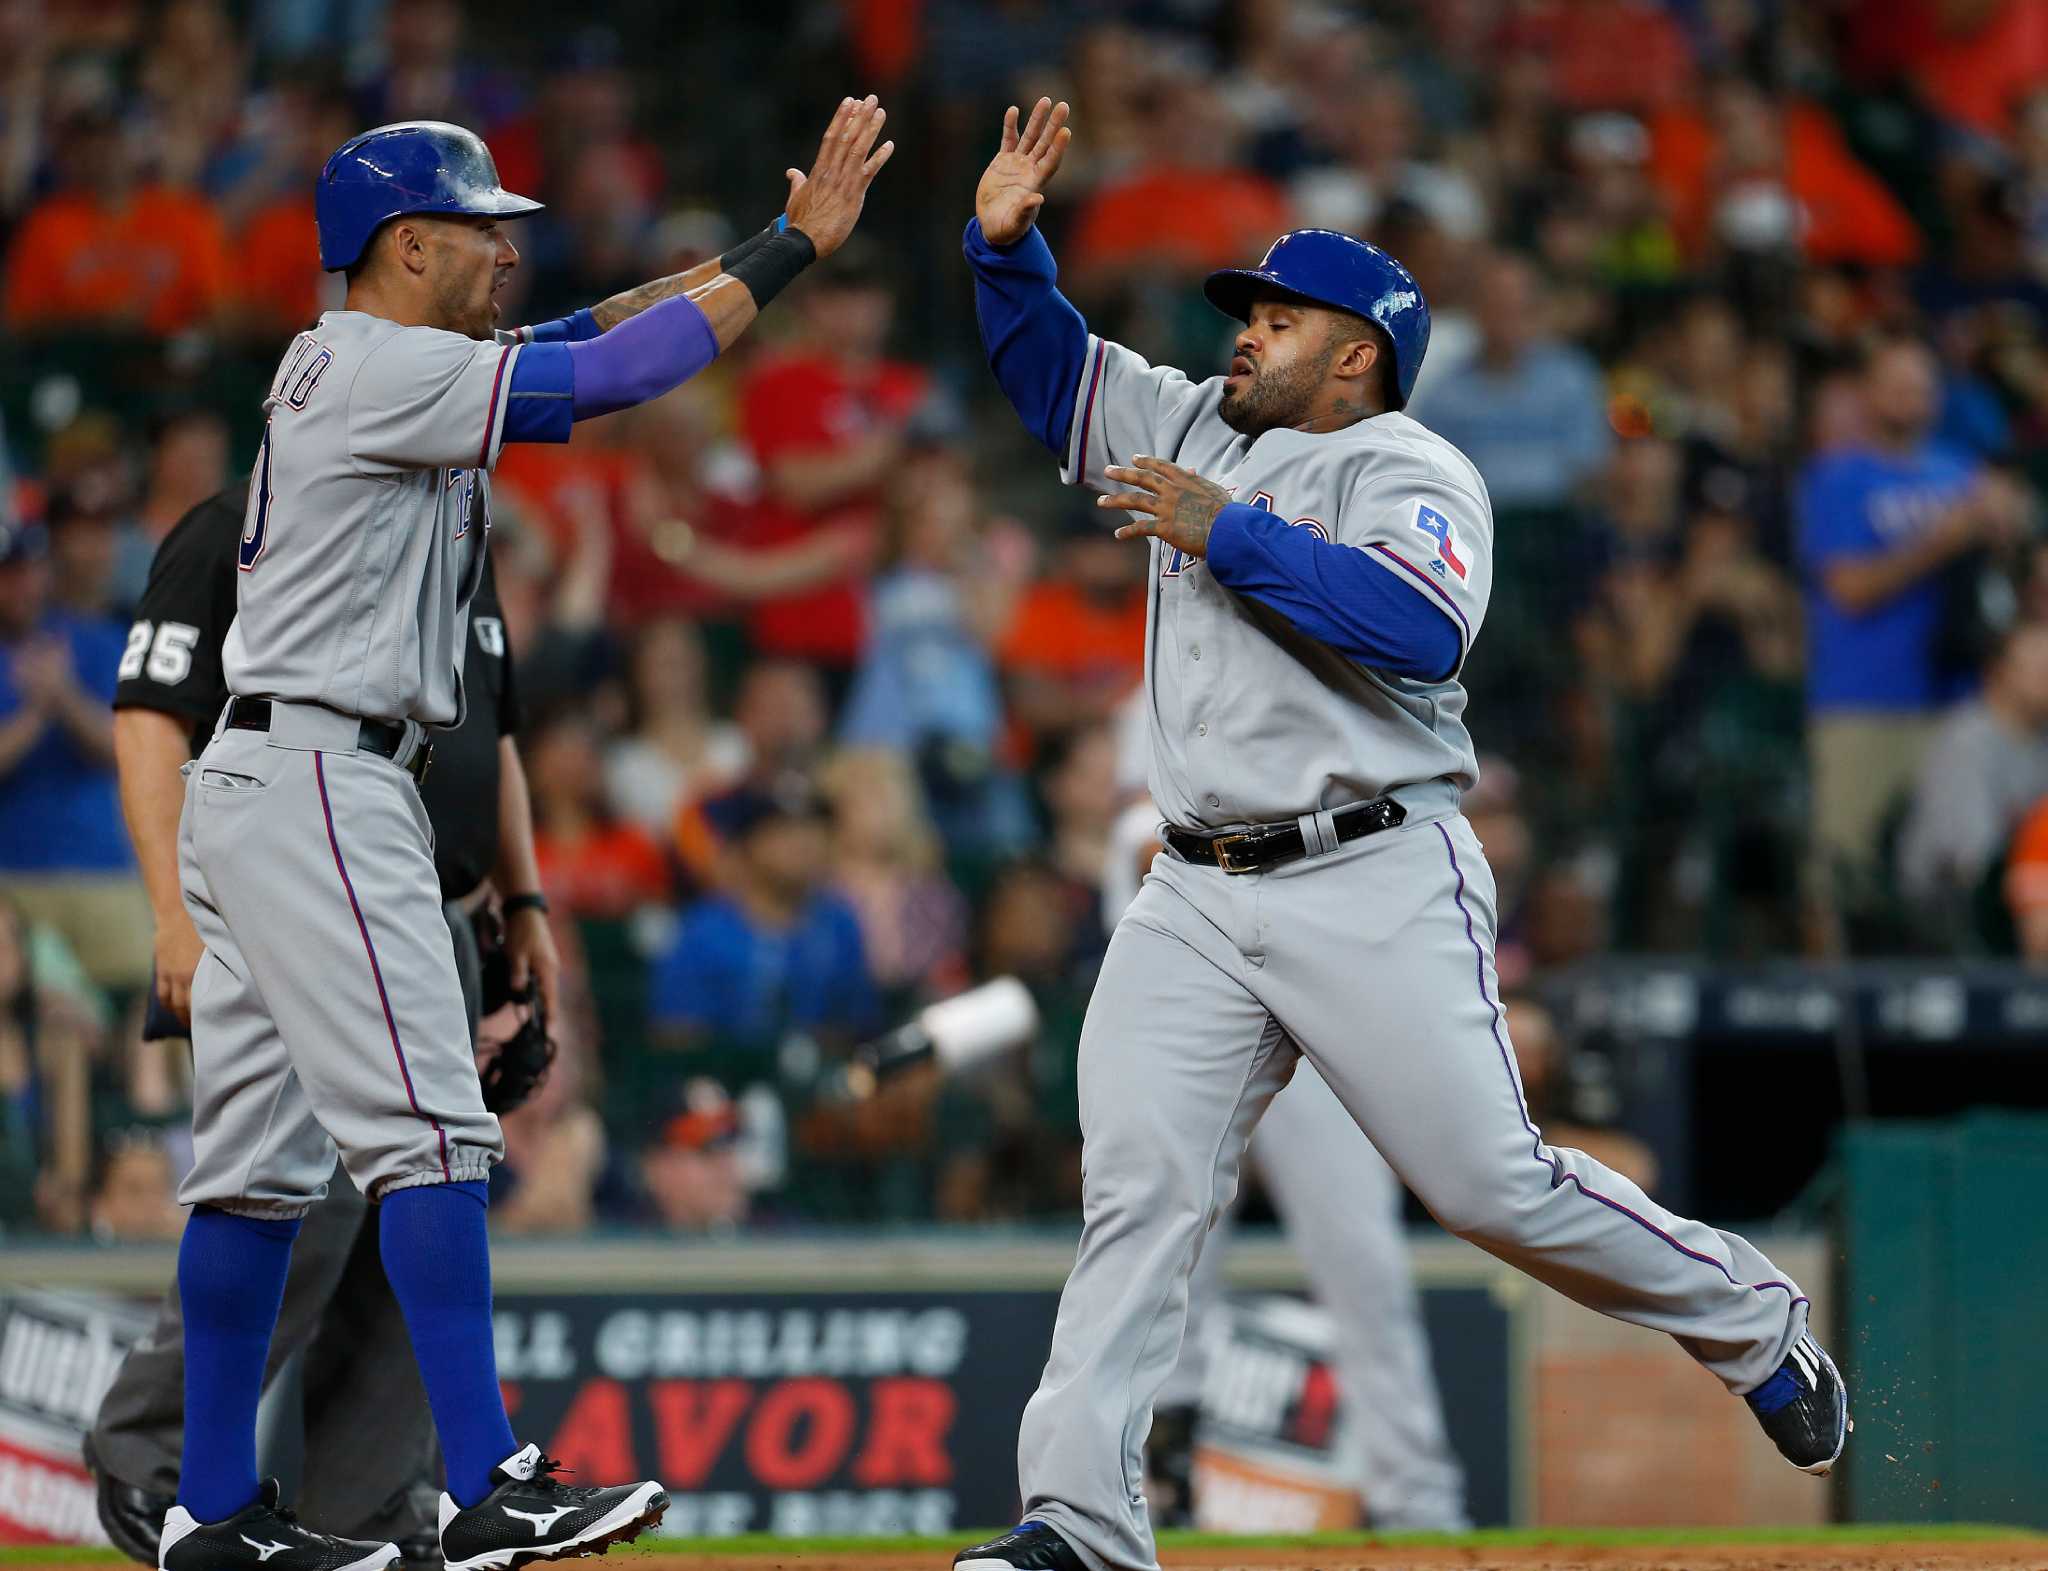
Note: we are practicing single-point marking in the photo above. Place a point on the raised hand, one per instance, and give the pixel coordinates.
(1012, 188)
(826, 204)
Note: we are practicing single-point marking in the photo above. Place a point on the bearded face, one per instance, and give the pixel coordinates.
(1266, 394)
(1282, 362)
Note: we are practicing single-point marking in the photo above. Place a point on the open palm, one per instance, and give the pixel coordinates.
(1012, 188)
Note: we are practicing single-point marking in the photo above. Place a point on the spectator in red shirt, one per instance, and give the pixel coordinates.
(685, 541)
(1604, 54)
(827, 422)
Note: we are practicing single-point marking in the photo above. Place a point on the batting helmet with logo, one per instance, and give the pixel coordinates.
(1325, 267)
(415, 166)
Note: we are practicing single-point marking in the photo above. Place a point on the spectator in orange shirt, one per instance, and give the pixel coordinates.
(1747, 173)
(2026, 886)
(1075, 645)
(1187, 208)
(592, 864)
(107, 252)
(828, 422)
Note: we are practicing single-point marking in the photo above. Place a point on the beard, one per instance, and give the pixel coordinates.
(458, 310)
(1272, 399)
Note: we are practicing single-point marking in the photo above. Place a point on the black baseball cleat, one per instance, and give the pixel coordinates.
(132, 1516)
(1170, 1465)
(263, 1537)
(530, 1516)
(1804, 1408)
(1029, 1546)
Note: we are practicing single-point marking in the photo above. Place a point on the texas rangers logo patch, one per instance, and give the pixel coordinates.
(1438, 528)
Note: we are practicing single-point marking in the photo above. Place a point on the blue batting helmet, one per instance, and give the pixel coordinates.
(415, 166)
(1325, 267)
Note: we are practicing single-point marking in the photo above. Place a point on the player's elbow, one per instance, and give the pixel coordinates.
(1435, 653)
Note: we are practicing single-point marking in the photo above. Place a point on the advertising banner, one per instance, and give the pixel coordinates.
(795, 1414)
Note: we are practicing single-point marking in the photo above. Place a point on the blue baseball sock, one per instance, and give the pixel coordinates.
(439, 1261)
(231, 1277)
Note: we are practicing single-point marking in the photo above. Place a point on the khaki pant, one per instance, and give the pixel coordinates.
(104, 917)
(1862, 764)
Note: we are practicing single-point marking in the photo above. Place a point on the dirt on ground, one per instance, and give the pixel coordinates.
(1988, 1555)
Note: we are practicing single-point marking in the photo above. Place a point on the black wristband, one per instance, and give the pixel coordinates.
(748, 247)
(771, 266)
(512, 905)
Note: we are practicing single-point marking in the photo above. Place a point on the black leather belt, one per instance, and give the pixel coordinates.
(1267, 845)
(385, 738)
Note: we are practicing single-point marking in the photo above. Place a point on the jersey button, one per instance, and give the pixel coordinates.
(1215, 800)
(1202, 729)
(1195, 652)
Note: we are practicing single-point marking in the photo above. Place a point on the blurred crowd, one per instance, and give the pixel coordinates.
(1741, 308)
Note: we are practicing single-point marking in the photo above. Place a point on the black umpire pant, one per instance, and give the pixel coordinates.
(372, 1462)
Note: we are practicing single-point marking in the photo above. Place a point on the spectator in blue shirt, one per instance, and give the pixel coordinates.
(1879, 523)
(1529, 411)
(64, 854)
(927, 686)
(773, 957)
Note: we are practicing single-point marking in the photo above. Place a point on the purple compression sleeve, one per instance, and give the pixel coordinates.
(642, 358)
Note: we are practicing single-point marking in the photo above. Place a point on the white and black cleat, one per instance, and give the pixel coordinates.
(1804, 1408)
(1029, 1546)
(263, 1536)
(531, 1515)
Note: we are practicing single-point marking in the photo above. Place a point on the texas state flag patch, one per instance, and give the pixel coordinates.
(1438, 528)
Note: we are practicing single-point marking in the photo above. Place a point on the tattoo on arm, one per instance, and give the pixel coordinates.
(1194, 512)
(631, 302)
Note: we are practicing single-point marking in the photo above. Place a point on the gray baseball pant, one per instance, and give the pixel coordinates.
(1341, 1204)
(1375, 961)
(326, 1012)
(373, 1462)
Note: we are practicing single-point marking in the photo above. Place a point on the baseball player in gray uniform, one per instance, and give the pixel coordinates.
(1320, 565)
(326, 1011)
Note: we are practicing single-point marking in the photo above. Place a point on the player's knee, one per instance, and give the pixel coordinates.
(1478, 1214)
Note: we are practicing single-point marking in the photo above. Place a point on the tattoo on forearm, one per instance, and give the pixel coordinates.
(631, 302)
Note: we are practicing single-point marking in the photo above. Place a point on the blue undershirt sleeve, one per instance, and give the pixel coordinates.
(1035, 339)
(573, 329)
(1336, 594)
(541, 404)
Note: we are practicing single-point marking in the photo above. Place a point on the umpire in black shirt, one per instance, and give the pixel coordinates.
(372, 1465)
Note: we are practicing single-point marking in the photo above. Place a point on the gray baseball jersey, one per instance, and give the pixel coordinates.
(327, 1013)
(358, 556)
(1372, 960)
(1238, 735)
